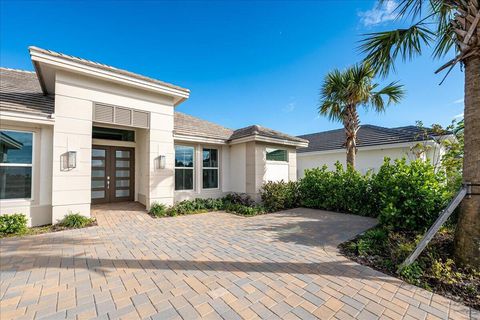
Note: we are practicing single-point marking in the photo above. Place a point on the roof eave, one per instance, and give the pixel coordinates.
(38, 57)
(260, 138)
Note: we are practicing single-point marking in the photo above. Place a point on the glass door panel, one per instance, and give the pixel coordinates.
(100, 177)
(123, 174)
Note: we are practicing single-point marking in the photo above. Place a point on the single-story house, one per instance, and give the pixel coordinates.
(374, 143)
(76, 133)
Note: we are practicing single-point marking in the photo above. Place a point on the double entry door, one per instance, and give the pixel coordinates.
(112, 174)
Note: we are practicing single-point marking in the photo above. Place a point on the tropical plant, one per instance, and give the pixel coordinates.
(451, 26)
(75, 221)
(13, 223)
(344, 91)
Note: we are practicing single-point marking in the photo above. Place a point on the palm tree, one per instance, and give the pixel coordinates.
(450, 26)
(344, 91)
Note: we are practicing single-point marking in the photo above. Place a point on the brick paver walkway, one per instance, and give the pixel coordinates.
(212, 266)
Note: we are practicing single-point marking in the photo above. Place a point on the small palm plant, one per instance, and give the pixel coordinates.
(343, 92)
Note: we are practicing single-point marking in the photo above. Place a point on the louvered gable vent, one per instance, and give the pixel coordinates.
(120, 115)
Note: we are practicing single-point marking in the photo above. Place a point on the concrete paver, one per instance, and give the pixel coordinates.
(212, 266)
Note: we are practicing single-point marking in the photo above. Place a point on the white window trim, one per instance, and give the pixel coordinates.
(188, 168)
(23, 165)
(217, 167)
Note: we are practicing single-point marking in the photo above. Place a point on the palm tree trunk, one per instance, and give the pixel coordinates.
(467, 235)
(351, 125)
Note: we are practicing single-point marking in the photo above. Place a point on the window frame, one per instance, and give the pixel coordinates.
(276, 161)
(23, 165)
(210, 168)
(185, 168)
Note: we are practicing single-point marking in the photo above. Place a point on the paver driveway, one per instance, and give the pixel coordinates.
(213, 265)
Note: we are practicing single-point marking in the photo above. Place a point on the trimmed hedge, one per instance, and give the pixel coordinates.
(340, 190)
(403, 196)
(280, 195)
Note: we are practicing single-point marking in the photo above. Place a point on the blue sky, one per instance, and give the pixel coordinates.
(244, 62)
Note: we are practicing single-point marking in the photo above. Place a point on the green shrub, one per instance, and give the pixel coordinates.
(243, 210)
(75, 221)
(239, 198)
(408, 196)
(13, 223)
(158, 209)
(280, 195)
(340, 190)
(194, 206)
(412, 273)
(445, 271)
(372, 242)
(403, 196)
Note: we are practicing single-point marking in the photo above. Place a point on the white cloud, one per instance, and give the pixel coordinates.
(379, 13)
(458, 116)
(458, 101)
(290, 107)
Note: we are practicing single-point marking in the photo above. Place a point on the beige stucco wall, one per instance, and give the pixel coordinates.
(74, 99)
(256, 166)
(38, 209)
(370, 159)
(237, 168)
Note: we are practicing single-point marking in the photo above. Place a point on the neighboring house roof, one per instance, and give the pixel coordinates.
(106, 67)
(368, 135)
(20, 91)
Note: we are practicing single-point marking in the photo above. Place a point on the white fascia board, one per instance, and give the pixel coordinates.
(26, 117)
(376, 147)
(270, 140)
(65, 64)
(186, 138)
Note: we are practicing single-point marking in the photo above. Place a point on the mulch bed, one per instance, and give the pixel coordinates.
(458, 284)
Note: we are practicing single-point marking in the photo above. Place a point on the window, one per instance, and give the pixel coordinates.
(210, 168)
(184, 161)
(16, 164)
(277, 154)
(113, 134)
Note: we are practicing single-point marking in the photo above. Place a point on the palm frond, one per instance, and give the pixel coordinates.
(393, 92)
(383, 48)
(444, 14)
(411, 8)
(333, 110)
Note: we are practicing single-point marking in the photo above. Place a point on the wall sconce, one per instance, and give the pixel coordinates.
(161, 162)
(71, 160)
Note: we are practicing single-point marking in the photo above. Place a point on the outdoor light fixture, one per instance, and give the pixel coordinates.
(71, 160)
(161, 162)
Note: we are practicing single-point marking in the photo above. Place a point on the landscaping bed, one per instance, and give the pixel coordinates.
(434, 270)
(15, 225)
(240, 204)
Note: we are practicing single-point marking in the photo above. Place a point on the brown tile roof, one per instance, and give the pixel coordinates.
(368, 135)
(263, 132)
(20, 91)
(191, 126)
(107, 68)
